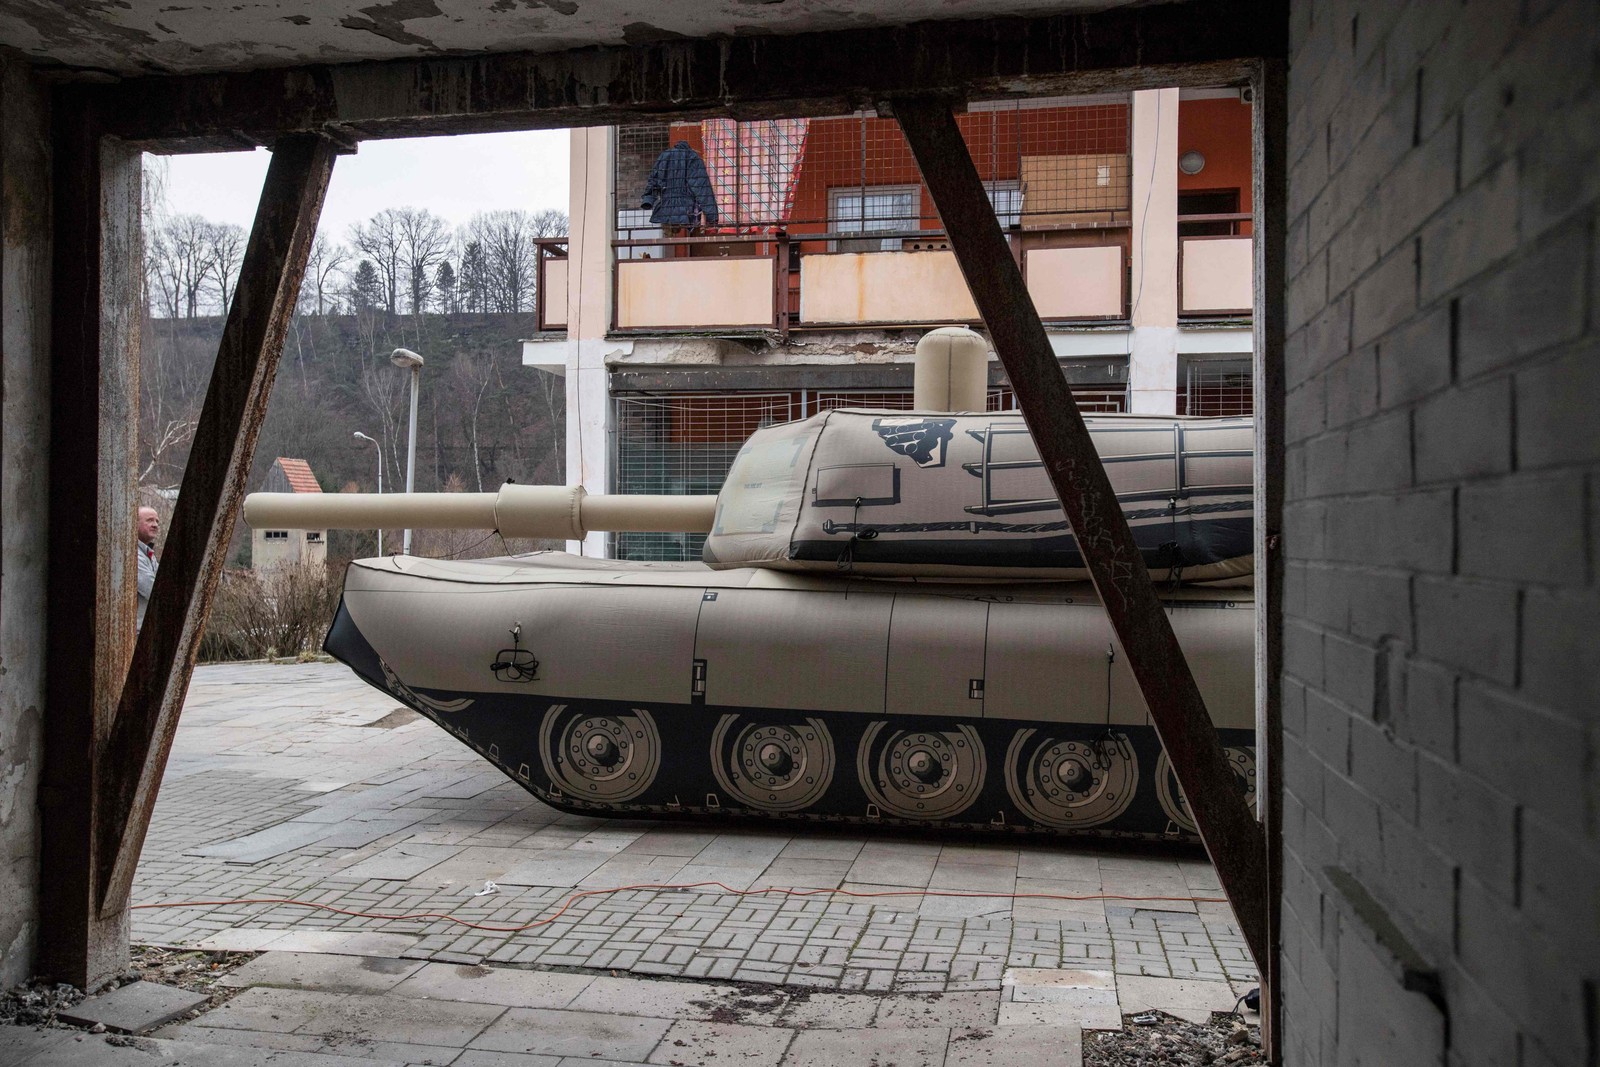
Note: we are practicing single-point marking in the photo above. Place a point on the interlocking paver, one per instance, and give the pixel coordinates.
(262, 777)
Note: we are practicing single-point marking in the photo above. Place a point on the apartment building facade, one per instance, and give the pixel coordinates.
(723, 275)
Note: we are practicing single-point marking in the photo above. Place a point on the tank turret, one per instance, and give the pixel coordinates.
(885, 627)
(947, 490)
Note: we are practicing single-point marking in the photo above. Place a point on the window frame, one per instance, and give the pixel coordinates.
(837, 222)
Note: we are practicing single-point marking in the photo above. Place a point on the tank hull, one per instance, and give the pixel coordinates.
(675, 691)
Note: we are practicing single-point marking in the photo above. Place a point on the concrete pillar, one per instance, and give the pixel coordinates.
(24, 499)
(1153, 345)
(96, 299)
(589, 317)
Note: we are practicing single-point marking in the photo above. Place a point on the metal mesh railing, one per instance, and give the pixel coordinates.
(684, 443)
(1045, 162)
(1216, 387)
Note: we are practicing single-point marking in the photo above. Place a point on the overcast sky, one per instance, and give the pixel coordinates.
(454, 177)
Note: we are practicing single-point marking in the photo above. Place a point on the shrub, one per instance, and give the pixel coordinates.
(282, 611)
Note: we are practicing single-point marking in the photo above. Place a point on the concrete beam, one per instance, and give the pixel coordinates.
(1270, 195)
(873, 376)
(1203, 42)
(1231, 834)
(208, 506)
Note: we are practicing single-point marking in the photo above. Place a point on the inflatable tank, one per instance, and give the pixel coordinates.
(890, 625)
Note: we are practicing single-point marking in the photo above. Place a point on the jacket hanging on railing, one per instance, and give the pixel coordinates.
(678, 190)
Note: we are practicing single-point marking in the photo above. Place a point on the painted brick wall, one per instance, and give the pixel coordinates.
(1442, 534)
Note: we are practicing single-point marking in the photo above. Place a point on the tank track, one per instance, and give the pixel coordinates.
(688, 761)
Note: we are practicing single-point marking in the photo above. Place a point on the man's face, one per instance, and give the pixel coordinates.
(149, 525)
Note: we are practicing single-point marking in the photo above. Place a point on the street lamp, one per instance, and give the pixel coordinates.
(379, 447)
(406, 359)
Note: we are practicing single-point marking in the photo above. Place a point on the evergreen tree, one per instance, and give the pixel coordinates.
(444, 281)
(366, 288)
(474, 279)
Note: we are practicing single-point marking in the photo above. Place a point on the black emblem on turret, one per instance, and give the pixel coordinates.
(922, 440)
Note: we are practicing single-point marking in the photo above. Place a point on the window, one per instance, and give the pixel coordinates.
(1006, 199)
(313, 537)
(1216, 387)
(1208, 202)
(275, 535)
(633, 224)
(875, 209)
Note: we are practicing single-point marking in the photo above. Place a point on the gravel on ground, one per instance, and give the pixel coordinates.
(1168, 1042)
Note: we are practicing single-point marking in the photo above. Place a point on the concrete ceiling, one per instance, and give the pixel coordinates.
(132, 37)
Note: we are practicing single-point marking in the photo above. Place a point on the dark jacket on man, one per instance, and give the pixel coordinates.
(678, 190)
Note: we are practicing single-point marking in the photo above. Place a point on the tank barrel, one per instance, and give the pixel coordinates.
(555, 512)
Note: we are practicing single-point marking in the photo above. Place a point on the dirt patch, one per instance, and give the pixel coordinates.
(1224, 1041)
(397, 717)
(40, 1003)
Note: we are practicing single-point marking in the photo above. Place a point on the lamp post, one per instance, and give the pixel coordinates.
(379, 447)
(406, 359)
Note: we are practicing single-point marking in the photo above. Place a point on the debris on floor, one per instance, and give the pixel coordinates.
(37, 1003)
(1224, 1041)
(41, 1003)
(186, 968)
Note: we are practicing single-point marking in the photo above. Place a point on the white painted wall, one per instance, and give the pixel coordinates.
(1153, 346)
(589, 317)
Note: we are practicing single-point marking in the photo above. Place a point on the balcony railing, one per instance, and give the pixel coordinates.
(759, 283)
(1216, 271)
(551, 281)
(766, 282)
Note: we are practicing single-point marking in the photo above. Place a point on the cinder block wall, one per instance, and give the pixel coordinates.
(1442, 534)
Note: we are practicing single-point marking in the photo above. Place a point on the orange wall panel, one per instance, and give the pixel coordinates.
(1220, 131)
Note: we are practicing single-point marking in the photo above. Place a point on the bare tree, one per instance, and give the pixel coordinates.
(227, 243)
(469, 379)
(323, 268)
(549, 223)
(424, 240)
(174, 372)
(384, 392)
(153, 215)
(506, 238)
(179, 258)
(379, 241)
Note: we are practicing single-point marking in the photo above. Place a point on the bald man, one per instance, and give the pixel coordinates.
(149, 526)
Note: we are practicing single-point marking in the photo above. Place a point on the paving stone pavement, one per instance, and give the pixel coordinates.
(321, 1010)
(299, 781)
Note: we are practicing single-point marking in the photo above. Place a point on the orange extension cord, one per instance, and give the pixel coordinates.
(575, 897)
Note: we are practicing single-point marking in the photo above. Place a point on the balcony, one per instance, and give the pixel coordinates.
(1216, 266)
(823, 223)
(550, 293)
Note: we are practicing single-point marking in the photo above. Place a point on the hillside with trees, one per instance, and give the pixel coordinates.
(462, 298)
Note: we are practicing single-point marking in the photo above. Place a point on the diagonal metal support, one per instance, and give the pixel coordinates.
(1232, 836)
(135, 753)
